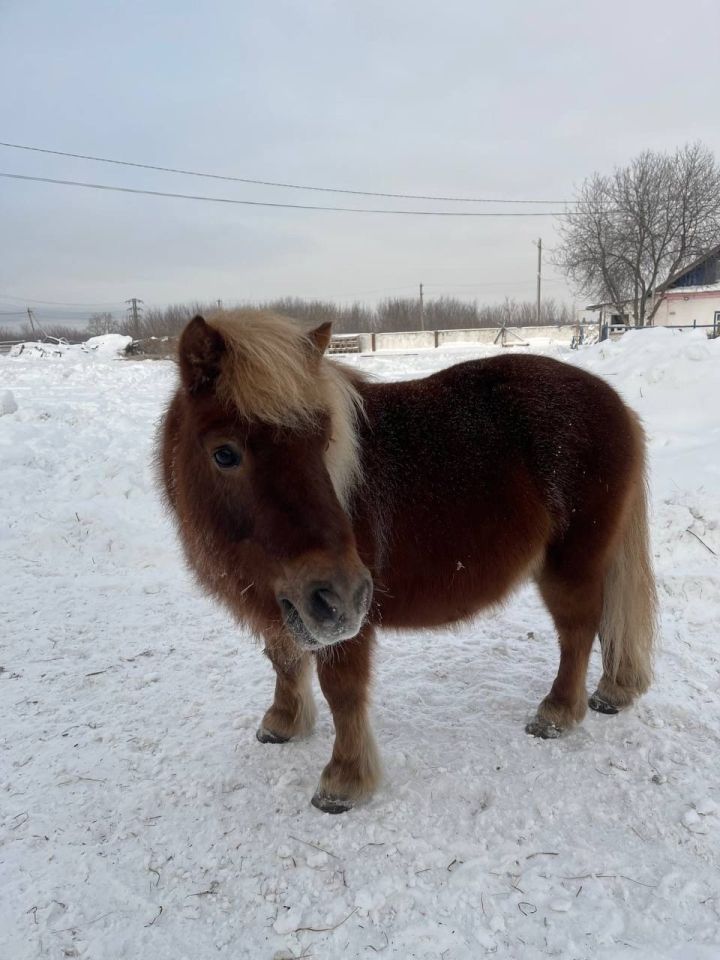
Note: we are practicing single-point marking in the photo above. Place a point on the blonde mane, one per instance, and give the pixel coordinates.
(272, 372)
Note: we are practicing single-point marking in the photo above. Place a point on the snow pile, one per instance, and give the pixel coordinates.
(139, 817)
(110, 345)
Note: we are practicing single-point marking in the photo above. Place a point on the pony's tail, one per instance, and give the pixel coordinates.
(628, 626)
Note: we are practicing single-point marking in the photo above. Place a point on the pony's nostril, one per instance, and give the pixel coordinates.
(325, 605)
(333, 605)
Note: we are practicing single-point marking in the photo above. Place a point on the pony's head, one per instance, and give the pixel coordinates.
(265, 462)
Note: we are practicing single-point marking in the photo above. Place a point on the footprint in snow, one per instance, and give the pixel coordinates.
(697, 820)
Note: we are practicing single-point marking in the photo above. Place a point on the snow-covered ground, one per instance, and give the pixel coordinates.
(140, 818)
(108, 346)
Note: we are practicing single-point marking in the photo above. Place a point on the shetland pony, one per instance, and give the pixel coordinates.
(318, 505)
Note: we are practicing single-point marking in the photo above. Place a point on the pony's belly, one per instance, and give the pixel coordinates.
(437, 601)
(401, 617)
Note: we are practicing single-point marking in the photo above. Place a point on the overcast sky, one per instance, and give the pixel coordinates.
(514, 100)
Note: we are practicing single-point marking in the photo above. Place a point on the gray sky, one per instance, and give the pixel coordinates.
(514, 100)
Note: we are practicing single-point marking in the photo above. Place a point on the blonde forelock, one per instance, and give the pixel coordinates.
(271, 372)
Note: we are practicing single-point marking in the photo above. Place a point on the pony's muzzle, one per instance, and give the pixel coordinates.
(323, 612)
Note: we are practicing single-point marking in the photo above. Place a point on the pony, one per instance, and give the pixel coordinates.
(318, 505)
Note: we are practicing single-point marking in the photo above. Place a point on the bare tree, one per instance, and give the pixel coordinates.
(639, 225)
(440, 313)
(101, 323)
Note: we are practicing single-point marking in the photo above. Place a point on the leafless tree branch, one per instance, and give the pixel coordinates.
(639, 225)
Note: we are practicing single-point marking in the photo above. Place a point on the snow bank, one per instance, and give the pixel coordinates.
(139, 817)
(108, 346)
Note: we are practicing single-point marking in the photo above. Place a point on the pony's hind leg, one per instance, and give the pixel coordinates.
(629, 621)
(354, 769)
(618, 686)
(620, 683)
(575, 604)
(292, 713)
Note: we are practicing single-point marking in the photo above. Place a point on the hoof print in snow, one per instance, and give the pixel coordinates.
(267, 736)
(7, 403)
(600, 705)
(331, 804)
(543, 729)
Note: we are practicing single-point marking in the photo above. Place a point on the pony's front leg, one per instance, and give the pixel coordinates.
(354, 768)
(292, 713)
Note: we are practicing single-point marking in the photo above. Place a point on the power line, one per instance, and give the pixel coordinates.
(494, 283)
(445, 287)
(70, 315)
(58, 303)
(285, 206)
(360, 293)
(273, 183)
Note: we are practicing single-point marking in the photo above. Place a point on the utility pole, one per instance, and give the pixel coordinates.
(134, 312)
(32, 320)
(422, 309)
(219, 304)
(539, 279)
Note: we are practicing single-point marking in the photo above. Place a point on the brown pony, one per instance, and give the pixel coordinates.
(318, 505)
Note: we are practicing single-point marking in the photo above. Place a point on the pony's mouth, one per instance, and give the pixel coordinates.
(296, 625)
(320, 613)
(319, 635)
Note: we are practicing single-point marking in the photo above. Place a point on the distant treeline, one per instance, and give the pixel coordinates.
(443, 313)
(52, 331)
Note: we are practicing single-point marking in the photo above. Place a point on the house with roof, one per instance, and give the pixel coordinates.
(690, 297)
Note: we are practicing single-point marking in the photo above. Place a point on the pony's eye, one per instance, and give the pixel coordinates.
(226, 457)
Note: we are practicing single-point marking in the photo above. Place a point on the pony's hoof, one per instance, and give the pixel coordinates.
(601, 705)
(267, 736)
(330, 804)
(544, 729)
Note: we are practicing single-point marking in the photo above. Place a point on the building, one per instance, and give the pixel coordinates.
(690, 297)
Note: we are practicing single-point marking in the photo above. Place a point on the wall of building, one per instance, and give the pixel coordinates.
(683, 307)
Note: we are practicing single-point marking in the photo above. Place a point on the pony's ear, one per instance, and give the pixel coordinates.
(320, 337)
(201, 349)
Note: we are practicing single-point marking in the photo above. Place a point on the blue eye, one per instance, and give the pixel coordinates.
(227, 457)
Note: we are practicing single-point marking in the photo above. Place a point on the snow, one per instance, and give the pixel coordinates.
(107, 346)
(139, 817)
(8, 404)
(698, 288)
